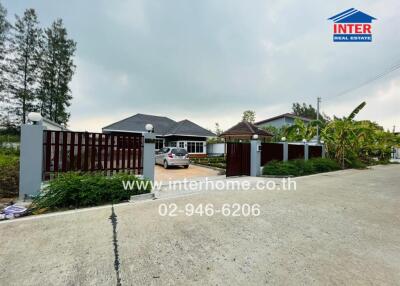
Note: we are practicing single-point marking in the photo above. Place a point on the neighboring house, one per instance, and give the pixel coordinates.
(184, 134)
(51, 125)
(280, 121)
(245, 131)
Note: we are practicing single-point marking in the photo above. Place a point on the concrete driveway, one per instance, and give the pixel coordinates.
(179, 173)
(340, 228)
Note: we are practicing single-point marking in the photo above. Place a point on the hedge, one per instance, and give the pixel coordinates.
(75, 190)
(300, 167)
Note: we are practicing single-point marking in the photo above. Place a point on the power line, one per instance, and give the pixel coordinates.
(375, 78)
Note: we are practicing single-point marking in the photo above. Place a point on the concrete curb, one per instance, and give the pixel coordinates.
(142, 197)
(209, 167)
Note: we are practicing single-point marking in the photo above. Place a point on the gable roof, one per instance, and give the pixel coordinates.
(162, 126)
(245, 128)
(187, 127)
(290, 115)
(352, 16)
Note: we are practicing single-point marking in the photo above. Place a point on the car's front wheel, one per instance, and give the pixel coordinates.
(186, 166)
(165, 164)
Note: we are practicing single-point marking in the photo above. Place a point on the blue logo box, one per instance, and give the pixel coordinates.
(352, 38)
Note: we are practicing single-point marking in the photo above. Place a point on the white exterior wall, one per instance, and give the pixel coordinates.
(216, 148)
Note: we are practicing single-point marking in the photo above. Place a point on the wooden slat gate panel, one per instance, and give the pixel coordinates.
(270, 152)
(314, 151)
(237, 159)
(65, 151)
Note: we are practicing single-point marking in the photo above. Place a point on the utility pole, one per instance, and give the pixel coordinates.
(318, 102)
(394, 128)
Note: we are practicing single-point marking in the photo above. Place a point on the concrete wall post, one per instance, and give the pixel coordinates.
(323, 151)
(255, 157)
(306, 151)
(31, 160)
(285, 151)
(149, 155)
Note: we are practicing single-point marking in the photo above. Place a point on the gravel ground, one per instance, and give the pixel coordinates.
(336, 228)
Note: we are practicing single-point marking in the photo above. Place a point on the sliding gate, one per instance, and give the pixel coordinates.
(65, 151)
(237, 159)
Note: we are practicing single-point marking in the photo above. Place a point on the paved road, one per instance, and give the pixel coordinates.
(338, 228)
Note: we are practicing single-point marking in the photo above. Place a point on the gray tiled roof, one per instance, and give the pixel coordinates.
(186, 127)
(162, 126)
(245, 128)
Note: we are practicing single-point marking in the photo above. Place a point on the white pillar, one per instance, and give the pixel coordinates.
(149, 155)
(306, 151)
(255, 157)
(285, 151)
(31, 160)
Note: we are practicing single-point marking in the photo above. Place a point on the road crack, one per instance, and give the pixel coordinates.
(114, 222)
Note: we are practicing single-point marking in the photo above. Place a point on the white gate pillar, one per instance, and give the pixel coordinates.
(149, 155)
(31, 160)
(255, 157)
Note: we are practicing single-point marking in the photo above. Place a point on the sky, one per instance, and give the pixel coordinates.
(208, 61)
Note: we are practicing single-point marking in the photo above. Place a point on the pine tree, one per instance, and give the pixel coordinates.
(23, 62)
(4, 32)
(57, 69)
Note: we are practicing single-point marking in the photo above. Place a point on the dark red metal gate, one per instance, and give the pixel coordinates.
(65, 151)
(237, 159)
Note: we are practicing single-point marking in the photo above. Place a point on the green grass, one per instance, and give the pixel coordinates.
(300, 167)
(9, 172)
(9, 138)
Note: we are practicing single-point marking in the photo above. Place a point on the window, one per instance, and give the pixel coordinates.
(199, 147)
(179, 151)
(195, 147)
(181, 144)
(191, 147)
(171, 144)
(159, 144)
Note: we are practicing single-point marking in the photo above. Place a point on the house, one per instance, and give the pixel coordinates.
(245, 131)
(184, 134)
(286, 119)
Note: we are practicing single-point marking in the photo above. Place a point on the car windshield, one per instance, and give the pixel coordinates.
(179, 151)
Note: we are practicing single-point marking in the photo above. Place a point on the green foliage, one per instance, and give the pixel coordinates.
(75, 190)
(357, 143)
(300, 130)
(35, 70)
(23, 64)
(218, 162)
(57, 68)
(9, 172)
(249, 116)
(308, 111)
(278, 133)
(9, 139)
(300, 167)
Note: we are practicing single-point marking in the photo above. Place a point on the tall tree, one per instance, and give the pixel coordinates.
(249, 116)
(218, 131)
(23, 62)
(57, 69)
(308, 111)
(4, 31)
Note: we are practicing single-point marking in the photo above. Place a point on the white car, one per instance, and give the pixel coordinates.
(172, 156)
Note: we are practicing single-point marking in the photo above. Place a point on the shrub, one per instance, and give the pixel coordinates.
(300, 167)
(75, 190)
(9, 174)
